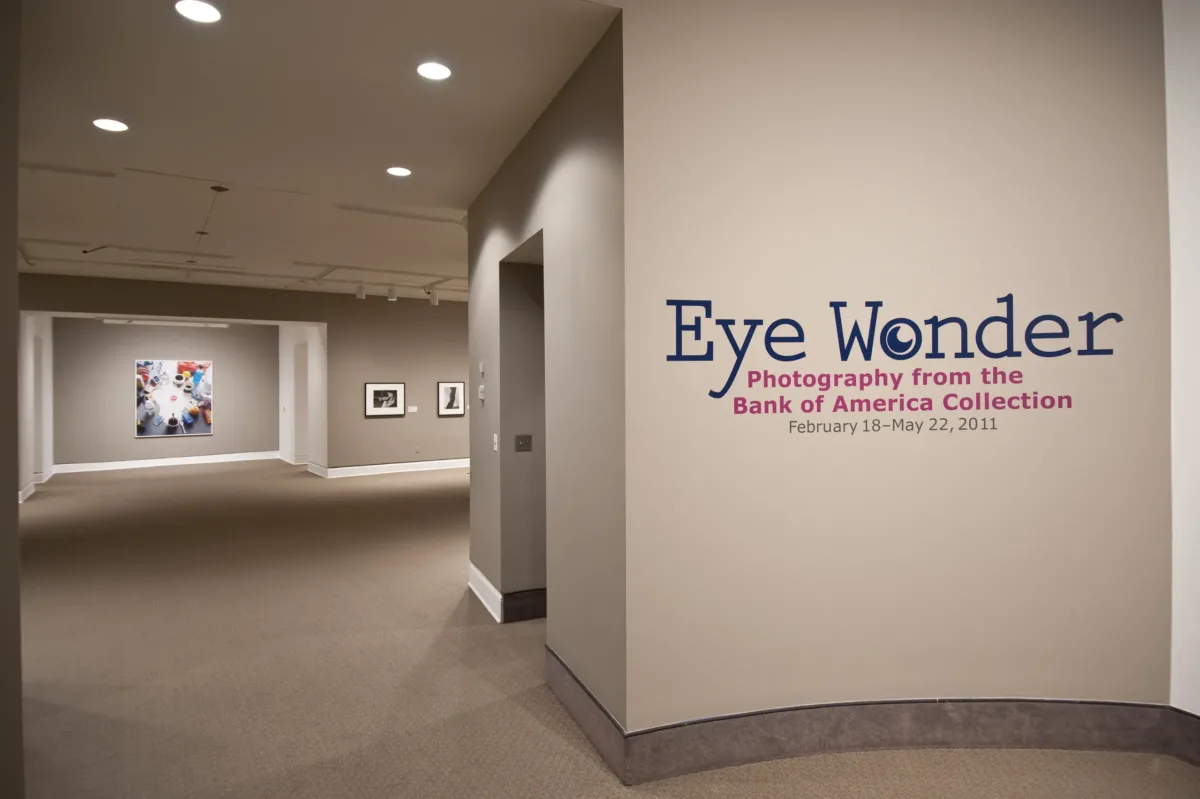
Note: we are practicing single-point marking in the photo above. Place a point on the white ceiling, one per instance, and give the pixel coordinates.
(298, 107)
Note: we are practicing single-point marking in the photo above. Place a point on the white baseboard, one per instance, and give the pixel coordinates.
(319, 471)
(67, 468)
(42, 477)
(25, 493)
(393, 468)
(482, 587)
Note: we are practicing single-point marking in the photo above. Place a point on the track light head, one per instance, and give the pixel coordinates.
(361, 292)
(391, 294)
(431, 290)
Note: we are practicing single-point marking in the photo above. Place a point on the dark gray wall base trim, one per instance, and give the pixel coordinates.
(592, 717)
(523, 605)
(821, 729)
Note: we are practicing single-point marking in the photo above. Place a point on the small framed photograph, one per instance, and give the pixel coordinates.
(452, 399)
(384, 400)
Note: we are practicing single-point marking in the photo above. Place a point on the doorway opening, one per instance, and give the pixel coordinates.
(523, 432)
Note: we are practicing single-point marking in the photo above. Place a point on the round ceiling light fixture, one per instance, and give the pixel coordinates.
(111, 125)
(432, 70)
(399, 171)
(198, 11)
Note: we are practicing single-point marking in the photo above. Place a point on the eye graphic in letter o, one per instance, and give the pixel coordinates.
(895, 345)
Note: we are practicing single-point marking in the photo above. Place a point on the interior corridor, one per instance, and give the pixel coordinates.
(250, 631)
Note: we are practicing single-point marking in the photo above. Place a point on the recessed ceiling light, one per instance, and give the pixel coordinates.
(113, 125)
(432, 70)
(198, 11)
(399, 171)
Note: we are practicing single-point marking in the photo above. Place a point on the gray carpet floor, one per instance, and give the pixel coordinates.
(249, 631)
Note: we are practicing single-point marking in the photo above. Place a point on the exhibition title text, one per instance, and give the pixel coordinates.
(861, 335)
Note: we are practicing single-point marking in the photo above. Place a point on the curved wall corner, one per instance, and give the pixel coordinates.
(790, 164)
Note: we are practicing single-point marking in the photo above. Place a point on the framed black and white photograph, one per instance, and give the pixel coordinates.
(452, 399)
(384, 400)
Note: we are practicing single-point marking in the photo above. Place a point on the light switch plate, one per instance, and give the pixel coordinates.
(495, 442)
(481, 391)
(412, 408)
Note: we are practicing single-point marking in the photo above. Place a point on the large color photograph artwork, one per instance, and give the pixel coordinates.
(174, 398)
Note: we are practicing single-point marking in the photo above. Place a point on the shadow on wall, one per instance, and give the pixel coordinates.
(566, 178)
(510, 222)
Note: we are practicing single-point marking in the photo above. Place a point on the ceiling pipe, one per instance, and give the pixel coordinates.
(372, 269)
(225, 270)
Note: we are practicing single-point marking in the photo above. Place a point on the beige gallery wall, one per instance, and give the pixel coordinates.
(933, 156)
(94, 400)
(410, 342)
(564, 180)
